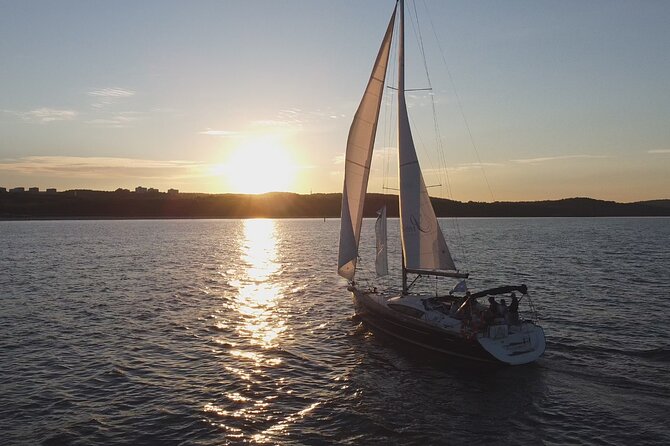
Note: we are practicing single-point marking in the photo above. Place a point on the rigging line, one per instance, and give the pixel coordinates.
(390, 87)
(441, 152)
(388, 118)
(385, 118)
(453, 220)
(389, 123)
(422, 145)
(385, 130)
(439, 141)
(441, 149)
(414, 20)
(460, 104)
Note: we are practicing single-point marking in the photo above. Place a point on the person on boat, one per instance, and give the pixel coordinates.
(502, 309)
(475, 317)
(513, 310)
(493, 305)
(492, 311)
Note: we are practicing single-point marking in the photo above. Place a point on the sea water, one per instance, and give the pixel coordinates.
(239, 331)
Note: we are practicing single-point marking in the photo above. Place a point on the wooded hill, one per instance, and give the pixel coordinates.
(124, 204)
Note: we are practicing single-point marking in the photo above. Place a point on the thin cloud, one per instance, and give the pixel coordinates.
(44, 114)
(119, 120)
(470, 166)
(109, 96)
(289, 113)
(338, 159)
(103, 167)
(286, 121)
(296, 119)
(278, 124)
(255, 128)
(223, 133)
(380, 153)
(658, 151)
(555, 158)
(112, 93)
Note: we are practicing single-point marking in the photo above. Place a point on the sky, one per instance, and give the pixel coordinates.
(532, 99)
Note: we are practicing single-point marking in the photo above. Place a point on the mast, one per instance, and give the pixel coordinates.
(401, 104)
(423, 246)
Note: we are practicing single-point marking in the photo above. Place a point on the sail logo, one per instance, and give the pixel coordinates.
(415, 225)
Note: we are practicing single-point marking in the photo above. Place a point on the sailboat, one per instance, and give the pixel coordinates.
(451, 323)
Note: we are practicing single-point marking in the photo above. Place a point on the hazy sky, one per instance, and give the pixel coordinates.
(562, 98)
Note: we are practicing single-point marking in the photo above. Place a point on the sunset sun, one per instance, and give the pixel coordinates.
(259, 165)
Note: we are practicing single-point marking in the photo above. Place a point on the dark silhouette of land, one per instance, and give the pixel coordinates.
(124, 204)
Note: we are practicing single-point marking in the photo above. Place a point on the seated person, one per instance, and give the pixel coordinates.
(492, 311)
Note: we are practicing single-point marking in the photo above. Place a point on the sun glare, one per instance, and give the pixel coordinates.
(258, 292)
(259, 165)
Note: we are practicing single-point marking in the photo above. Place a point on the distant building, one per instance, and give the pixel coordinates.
(153, 190)
(173, 191)
(51, 190)
(141, 190)
(33, 190)
(17, 189)
(3, 190)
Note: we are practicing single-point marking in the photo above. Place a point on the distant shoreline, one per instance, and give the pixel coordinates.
(26, 219)
(99, 205)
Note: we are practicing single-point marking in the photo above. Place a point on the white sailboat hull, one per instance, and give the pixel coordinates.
(436, 331)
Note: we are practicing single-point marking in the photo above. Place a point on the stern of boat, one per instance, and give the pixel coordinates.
(515, 344)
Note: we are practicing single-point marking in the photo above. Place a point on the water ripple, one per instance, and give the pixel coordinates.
(231, 332)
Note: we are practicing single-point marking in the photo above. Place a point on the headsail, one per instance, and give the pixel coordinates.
(424, 247)
(358, 158)
(381, 260)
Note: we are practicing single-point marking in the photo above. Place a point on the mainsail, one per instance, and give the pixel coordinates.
(381, 260)
(358, 158)
(423, 244)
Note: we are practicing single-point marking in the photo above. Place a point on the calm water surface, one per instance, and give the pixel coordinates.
(229, 332)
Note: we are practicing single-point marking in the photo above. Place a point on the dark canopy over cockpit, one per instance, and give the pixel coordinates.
(523, 289)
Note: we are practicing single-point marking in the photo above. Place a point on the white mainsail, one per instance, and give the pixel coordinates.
(358, 158)
(381, 260)
(423, 243)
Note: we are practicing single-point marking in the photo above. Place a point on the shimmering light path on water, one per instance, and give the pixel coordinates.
(229, 332)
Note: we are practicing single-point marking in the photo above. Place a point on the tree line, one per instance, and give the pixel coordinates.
(100, 204)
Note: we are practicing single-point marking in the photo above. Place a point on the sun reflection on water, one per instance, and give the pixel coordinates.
(260, 249)
(257, 292)
(254, 325)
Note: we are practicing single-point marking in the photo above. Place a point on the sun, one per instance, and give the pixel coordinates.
(258, 165)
